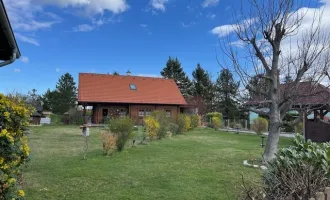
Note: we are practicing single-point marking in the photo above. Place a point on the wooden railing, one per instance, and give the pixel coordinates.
(322, 195)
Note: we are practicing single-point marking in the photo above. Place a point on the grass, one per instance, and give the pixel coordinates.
(203, 164)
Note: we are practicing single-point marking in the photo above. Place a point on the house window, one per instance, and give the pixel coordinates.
(141, 113)
(168, 113)
(148, 112)
(122, 112)
(132, 86)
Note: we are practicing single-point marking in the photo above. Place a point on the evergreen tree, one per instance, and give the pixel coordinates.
(173, 70)
(47, 100)
(116, 73)
(226, 91)
(65, 95)
(288, 79)
(203, 86)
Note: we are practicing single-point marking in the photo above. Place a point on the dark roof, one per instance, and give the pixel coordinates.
(7, 40)
(106, 88)
(36, 114)
(306, 93)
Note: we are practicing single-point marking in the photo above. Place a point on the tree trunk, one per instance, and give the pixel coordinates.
(272, 142)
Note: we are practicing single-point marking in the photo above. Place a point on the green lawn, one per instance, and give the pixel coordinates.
(203, 164)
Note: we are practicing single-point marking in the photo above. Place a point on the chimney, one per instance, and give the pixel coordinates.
(128, 73)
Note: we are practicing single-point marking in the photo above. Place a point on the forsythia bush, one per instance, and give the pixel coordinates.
(109, 143)
(187, 123)
(14, 150)
(152, 126)
(260, 125)
(196, 121)
(184, 123)
(210, 115)
(216, 122)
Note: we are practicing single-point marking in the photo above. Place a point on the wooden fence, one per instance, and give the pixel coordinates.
(322, 195)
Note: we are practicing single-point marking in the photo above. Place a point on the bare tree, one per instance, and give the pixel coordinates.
(272, 38)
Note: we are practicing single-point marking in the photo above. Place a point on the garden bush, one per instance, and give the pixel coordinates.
(122, 128)
(163, 121)
(298, 171)
(299, 128)
(152, 126)
(259, 125)
(14, 151)
(173, 128)
(183, 121)
(215, 122)
(75, 117)
(109, 142)
(210, 115)
(195, 121)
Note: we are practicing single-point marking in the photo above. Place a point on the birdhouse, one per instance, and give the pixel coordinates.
(85, 130)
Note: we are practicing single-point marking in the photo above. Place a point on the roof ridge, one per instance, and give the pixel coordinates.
(150, 77)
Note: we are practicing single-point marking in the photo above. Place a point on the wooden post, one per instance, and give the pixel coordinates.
(304, 125)
(84, 114)
(327, 192)
(320, 196)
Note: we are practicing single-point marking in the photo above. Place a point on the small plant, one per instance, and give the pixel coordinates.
(216, 123)
(163, 121)
(187, 123)
(173, 128)
(122, 128)
(298, 171)
(299, 128)
(260, 125)
(210, 115)
(195, 121)
(109, 142)
(152, 126)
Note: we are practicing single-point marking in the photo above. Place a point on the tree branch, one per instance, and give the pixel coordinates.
(260, 112)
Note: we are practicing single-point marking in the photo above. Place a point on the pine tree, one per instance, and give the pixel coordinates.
(173, 70)
(65, 95)
(203, 86)
(226, 91)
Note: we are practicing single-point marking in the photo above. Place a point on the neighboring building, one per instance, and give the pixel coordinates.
(134, 96)
(9, 51)
(311, 95)
(35, 118)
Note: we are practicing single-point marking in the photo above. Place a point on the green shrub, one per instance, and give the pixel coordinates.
(299, 128)
(123, 129)
(210, 115)
(259, 125)
(216, 122)
(173, 128)
(163, 121)
(181, 122)
(298, 171)
(75, 117)
(56, 119)
(195, 121)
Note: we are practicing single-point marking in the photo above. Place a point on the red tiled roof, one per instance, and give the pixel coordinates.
(104, 88)
(307, 93)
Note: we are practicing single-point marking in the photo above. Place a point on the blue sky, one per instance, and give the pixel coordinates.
(103, 36)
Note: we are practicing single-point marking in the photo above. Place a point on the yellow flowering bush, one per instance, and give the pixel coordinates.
(14, 149)
(196, 121)
(152, 126)
(216, 122)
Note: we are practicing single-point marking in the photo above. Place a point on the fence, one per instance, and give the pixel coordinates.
(322, 195)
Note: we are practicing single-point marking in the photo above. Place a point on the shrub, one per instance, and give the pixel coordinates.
(298, 171)
(14, 151)
(173, 128)
(56, 119)
(122, 129)
(299, 128)
(152, 126)
(210, 115)
(109, 143)
(260, 125)
(163, 121)
(216, 122)
(183, 123)
(75, 117)
(195, 121)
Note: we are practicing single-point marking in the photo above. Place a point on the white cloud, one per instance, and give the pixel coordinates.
(184, 25)
(24, 59)
(144, 25)
(90, 7)
(57, 69)
(210, 15)
(28, 16)
(210, 3)
(27, 39)
(225, 30)
(16, 70)
(83, 28)
(159, 4)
